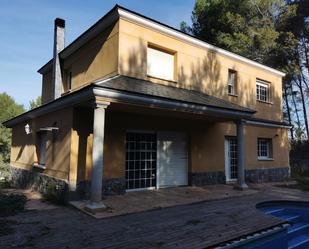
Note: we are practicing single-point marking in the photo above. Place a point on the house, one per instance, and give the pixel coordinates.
(135, 104)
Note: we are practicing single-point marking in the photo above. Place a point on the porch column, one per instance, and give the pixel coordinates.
(241, 155)
(97, 158)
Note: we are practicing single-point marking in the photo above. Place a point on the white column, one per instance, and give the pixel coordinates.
(97, 159)
(241, 155)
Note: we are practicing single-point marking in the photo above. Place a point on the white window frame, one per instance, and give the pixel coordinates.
(160, 64)
(232, 82)
(267, 148)
(262, 86)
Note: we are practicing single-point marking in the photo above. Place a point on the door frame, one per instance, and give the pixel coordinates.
(158, 159)
(227, 161)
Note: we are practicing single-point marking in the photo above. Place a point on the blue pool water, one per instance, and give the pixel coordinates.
(294, 213)
(293, 234)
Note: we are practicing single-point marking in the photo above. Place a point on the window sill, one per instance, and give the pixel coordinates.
(158, 78)
(265, 102)
(66, 93)
(232, 95)
(265, 159)
(39, 166)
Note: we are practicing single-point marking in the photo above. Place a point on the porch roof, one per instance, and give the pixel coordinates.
(134, 91)
(147, 88)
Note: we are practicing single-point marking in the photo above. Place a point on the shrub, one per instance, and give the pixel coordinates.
(11, 203)
(54, 194)
(5, 175)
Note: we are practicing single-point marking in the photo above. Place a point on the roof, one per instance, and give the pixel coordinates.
(135, 91)
(139, 86)
(118, 11)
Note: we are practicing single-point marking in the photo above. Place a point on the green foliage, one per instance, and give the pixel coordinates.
(11, 203)
(54, 194)
(9, 109)
(34, 103)
(245, 27)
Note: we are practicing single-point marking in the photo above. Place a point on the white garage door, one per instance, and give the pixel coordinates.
(172, 157)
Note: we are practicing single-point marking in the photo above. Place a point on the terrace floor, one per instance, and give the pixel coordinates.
(196, 225)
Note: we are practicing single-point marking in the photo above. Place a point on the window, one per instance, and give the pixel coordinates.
(231, 84)
(42, 141)
(69, 81)
(141, 160)
(262, 91)
(264, 146)
(160, 64)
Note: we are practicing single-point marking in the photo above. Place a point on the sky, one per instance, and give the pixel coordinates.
(26, 33)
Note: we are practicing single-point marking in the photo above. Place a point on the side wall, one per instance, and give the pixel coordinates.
(206, 146)
(197, 68)
(24, 150)
(95, 60)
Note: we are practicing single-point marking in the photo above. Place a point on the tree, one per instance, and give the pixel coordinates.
(9, 109)
(34, 103)
(246, 27)
(273, 32)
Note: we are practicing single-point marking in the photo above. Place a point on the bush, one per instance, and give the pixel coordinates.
(54, 194)
(5, 175)
(11, 203)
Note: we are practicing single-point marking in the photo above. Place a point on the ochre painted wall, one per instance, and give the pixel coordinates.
(205, 140)
(24, 151)
(95, 60)
(208, 146)
(197, 68)
(47, 87)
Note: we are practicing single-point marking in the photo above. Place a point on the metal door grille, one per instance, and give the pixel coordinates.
(233, 157)
(141, 160)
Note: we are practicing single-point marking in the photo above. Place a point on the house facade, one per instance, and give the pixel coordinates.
(135, 104)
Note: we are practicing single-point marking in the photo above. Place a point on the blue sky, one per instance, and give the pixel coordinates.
(26, 29)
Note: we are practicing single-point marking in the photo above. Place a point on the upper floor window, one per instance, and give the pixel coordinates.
(69, 81)
(264, 146)
(262, 91)
(231, 83)
(160, 64)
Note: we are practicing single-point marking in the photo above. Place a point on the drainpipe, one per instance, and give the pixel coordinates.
(58, 47)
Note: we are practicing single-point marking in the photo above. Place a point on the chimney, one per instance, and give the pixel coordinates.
(58, 47)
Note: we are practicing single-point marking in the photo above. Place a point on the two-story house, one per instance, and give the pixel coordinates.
(135, 104)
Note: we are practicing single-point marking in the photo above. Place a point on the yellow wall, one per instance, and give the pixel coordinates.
(24, 152)
(122, 49)
(206, 142)
(47, 87)
(197, 68)
(96, 59)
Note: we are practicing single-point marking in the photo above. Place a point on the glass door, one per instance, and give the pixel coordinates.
(231, 159)
(141, 160)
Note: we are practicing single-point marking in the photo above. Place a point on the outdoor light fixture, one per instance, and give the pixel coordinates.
(27, 129)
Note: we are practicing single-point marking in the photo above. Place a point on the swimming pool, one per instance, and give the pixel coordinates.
(294, 234)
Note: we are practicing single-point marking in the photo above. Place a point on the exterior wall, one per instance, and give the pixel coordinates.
(47, 87)
(198, 69)
(95, 60)
(206, 144)
(208, 147)
(24, 151)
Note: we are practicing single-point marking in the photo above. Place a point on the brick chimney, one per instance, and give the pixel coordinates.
(58, 47)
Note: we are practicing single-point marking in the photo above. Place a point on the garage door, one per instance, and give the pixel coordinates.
(172, 157)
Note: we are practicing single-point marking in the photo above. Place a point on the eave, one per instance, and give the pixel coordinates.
(120, 12)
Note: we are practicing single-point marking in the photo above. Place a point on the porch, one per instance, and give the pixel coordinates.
(142, 135)
(142, 201)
